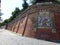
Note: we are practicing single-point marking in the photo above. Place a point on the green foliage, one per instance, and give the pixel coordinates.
(38, 1)
(58, 1)
(15, 13)
(25, 4)
(3, 23)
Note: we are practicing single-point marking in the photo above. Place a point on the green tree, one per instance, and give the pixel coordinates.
(58, 1)
(15, 12)
(25, 4)
(4, 23)
(38, 1)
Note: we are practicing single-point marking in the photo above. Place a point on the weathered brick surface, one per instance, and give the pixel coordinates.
(57, 23)
(43, 34)
(21, 25)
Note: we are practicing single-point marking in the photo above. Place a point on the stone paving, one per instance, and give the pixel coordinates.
(9, 38)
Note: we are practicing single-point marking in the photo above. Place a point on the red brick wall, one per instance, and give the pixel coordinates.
(57, 23)
(29, 28)
(30, 31)
(33, 12)
(43, 34)
(21, 26)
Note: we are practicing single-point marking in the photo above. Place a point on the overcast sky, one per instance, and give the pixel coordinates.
(7, 6)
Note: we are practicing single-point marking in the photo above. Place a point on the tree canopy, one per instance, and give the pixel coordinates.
(38, 1)
(15, 13)
(25, 4)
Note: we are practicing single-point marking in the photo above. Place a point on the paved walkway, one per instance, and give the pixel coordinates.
(9, 38)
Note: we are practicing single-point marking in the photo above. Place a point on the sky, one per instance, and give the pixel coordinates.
(7, 6)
